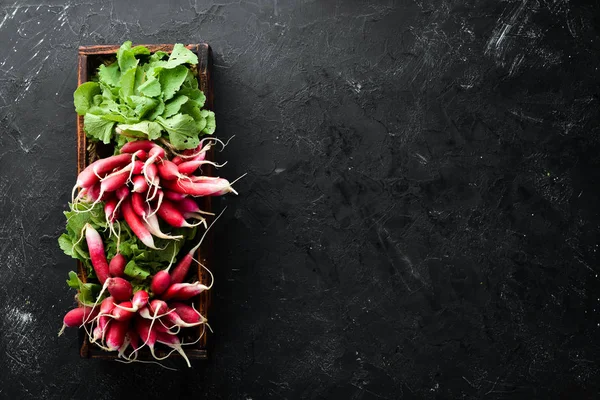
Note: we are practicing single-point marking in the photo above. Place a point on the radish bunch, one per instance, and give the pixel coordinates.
(141, 185)
(127, 320)
(149, 188)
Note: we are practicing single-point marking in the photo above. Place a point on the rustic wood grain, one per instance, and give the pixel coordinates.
(90, 57)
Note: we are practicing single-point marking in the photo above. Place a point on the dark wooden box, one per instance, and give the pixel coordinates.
(90, 58)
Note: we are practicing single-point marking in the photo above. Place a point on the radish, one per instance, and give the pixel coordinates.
(190, 206)
(168, 170)
(115, 334)
(139, 300)
(134, 338)
(114, 181)
(174, 195)
(174, 343)
(184, 316)
(177, 160)
(171, 215)
(189, 167)
(97, 255)
(121, 311)
(159, 202)
(93, 192)
(117, 265)
(106, 307)
(160, 282)
(109, 210)
(77, 317)
(139, 184)
(132, 147)
(188, 314)
(156, 153)
(157, 307)
(151, 223)
(184, 291)
(119, 288)
(181, 269)
(90, 175)
(137, 202)
(137, 226)
(137, 168)
(126, 343)
(206, 187)
(151, 173)
(144, 329)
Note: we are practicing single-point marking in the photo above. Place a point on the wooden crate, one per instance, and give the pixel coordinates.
(90, 58)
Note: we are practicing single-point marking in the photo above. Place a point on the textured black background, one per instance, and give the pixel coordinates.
(419, 219)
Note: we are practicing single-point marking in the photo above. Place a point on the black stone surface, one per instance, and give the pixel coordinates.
(419, 219)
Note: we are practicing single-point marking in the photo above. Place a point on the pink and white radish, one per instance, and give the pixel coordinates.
(116, 267)
(137, 226)
(77, 317)
(119, 288)
(97, 255)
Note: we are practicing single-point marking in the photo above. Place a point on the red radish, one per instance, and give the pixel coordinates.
(163, 328)
(156, 153)
(103, 322)
(97, 334)
(139, 184)
(115, 334)
(137, 202)
(124, 346)
(121, 311)
(189, 167)
(140, 155)
(159, 202)
(171, 215)
(147, 336)
(192, 317)
(188, 205)
(158, 307)
(160, 282)
(90, 175)
(107, 305)
(181, 269)
(184, 291)
(153, 227)
(188, 313)
(106, 308)
(167, 170)
(77, 317)
(136, 225)
(139, 300)
(97, 255)
(114, 181)
(173, 342)
(174, 195)
(93, 192)
(119, 288)
(205, 187)
(109, 210)
(134, 338)
(117, 265)
(151, 173)
(132, 147)
(177, 160)
(138, 167)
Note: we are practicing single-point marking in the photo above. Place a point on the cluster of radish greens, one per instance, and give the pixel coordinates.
(134, 217)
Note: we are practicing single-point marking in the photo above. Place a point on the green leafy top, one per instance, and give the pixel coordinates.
(143, 95)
